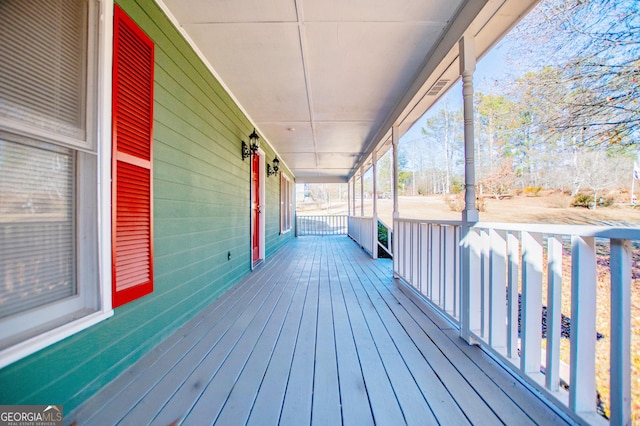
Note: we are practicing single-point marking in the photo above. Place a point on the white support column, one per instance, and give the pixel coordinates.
(395, 137)
(470, 213)
(348, 198)
(361, 192)
(374, 199)
(354, 194)
(467, 68)
(396, 213)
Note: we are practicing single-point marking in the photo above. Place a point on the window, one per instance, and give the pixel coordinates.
(132, 128)
(286, 204)
(48, 169)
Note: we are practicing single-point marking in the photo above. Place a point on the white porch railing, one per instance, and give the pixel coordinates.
(321, 225)
(512, 270)
(361, 231)
(427, 256)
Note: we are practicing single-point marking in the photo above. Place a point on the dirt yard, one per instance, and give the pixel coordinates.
(520, 209)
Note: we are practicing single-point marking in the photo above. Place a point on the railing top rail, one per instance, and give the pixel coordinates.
(361, 217)
(616, 232)
(321, 215)
(434, 222)
(631, 232)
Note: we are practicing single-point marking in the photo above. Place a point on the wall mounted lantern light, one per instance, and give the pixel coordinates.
(252, 148)
(273, 169)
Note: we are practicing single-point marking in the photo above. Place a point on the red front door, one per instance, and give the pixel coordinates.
(255, 208)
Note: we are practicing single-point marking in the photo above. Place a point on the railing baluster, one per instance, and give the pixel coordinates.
(434, 276)
(474, 307)
(424, 259)
(484, 280)
(428, 264)
(405, 254)
(582, 391)
(513, 252)
(407, 251)
(396, 253)
(531, 306)
(620, 332)
(449, 274)
(498, 291)
(554, 312)
(457, 271)
(415, 259)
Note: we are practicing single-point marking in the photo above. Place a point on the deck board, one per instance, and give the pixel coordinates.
(297, 403)
(326, 388)
(268, 402)
(320, 334)
(353, 390)
(244, 392)
(143, 376)
(414, 406)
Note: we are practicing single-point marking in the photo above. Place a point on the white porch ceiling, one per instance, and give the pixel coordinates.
(324, 80)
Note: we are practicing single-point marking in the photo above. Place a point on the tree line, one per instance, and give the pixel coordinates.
(569, 121)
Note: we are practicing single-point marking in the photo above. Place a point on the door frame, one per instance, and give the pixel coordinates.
(261, 217)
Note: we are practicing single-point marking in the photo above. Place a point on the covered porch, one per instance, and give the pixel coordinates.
(321, 333)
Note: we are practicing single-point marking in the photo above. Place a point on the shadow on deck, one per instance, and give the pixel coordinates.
(319, 334)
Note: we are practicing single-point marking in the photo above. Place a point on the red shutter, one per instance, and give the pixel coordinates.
(132, 226)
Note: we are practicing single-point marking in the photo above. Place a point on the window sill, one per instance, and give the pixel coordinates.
(41, 341)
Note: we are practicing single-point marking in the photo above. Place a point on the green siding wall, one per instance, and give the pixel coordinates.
(201, 212)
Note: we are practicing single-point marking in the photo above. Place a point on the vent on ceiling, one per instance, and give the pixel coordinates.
(437, 87)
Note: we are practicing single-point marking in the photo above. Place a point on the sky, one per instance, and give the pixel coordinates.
(492, 68)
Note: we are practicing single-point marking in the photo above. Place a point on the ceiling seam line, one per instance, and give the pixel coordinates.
(307, 82)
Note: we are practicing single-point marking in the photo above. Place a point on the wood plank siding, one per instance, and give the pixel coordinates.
(319, 334)
(201, 229)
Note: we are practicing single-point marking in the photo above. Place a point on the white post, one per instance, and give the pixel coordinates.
(620, 354)
(395, 137)
(394, 189)
(467, 68)
(498, 290)
(582, 392)
(513, 256)
(470, 213)
(354, 195)
(636, 171)
(554, 311)
(374, 245)
(361, 192)
(531, 346)
(348, 198)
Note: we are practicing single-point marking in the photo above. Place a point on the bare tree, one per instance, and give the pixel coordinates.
(443, 133)
(594, 46)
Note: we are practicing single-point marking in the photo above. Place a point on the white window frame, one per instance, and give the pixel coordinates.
(286, 209)
(93, 219)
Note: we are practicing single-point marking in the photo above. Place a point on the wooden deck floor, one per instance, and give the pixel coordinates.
(320, 334)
